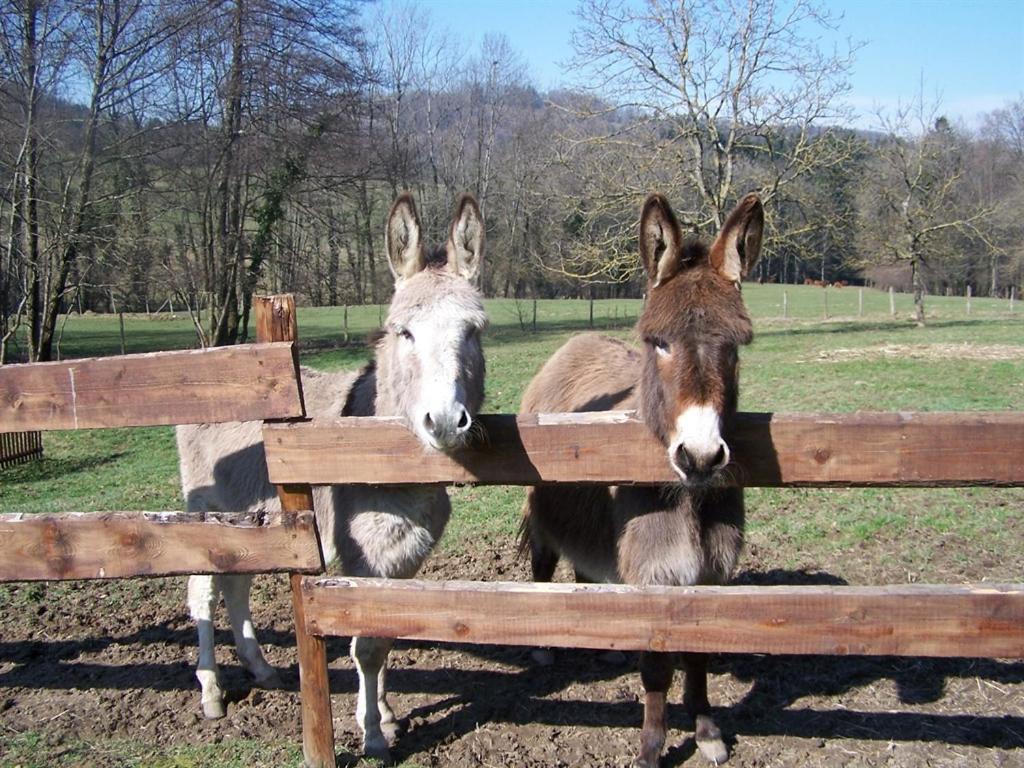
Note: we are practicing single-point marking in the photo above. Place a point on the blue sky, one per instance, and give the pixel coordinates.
(970, 54)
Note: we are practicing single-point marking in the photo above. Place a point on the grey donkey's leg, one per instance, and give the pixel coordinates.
(202, 603)
(375, 717)
(695, 699)
(236, 598)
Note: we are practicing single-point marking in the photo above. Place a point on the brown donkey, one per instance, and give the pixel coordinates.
(684, 383)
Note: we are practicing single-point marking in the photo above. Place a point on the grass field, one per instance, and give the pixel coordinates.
(802, 362)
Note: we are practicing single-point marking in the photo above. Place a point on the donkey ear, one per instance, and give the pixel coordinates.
(660, 240)
(402, 239)
(738, 245)
(465, 246)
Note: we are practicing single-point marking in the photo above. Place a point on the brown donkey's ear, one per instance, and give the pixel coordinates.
(738, 245)
(402, 239)
(465, 246)
(660, 240)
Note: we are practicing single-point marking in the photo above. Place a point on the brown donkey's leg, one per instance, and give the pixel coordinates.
(695, 699)
(543, 561)
(656, 674)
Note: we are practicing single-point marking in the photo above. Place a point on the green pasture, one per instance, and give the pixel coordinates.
(852, 360)
(800, 363)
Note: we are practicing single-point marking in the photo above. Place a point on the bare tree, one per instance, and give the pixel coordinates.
(736, 95)
(264, 81)
(913, 202)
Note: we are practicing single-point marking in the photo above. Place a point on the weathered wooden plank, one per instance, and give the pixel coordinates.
(242, 383)
(101, 545)
(856, 449)
(948, 621)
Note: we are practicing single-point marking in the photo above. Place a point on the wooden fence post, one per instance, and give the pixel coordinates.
(275, 321)
(892, 302)
(968, 299)
(785, 305)
(860, 302)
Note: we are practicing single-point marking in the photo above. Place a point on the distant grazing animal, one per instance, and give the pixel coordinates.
(684, 383)
(429, 369)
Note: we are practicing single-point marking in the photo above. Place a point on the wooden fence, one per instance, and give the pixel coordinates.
(261, 382)
(254, 382)
(782, 450)
(19, 447)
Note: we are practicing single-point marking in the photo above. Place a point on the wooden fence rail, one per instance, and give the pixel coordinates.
(768, 449)
(979, 620)
(245, 383)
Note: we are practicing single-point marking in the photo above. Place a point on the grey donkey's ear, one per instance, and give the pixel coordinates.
(465, 246)
(402, 241)
(738, 245)
(661, 240)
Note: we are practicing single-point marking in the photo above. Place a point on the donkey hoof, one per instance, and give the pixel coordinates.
(391, 729)
(270, 681)
(378, 752)
(713, 750)
(543, 657)
(709, 740)
(213, 709)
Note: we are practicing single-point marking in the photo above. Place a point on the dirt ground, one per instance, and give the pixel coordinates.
(100, 661)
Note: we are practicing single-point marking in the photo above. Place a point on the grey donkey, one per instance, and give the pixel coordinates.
(429, 370)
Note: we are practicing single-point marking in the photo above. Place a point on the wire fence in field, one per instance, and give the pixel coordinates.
(95, 335)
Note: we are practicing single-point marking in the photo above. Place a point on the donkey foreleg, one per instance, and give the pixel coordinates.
(373, 713)
(236, 597)
(656, 674)
(695, 699)
(202, 603)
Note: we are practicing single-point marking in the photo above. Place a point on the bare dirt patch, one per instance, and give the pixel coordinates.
(931, 352)
(106, 661)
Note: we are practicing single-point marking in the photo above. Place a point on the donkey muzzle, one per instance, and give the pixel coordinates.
(447, 428)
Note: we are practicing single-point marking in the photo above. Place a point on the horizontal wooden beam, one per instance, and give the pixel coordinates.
(855, 449)
(243, 383)
(971, 621)
(98, 545)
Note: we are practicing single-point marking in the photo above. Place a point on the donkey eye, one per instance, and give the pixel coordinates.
(405, 333)
(661, 346)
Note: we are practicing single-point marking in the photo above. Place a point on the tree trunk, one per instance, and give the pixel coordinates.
(224, 328)
(53, 294)
(918, 286)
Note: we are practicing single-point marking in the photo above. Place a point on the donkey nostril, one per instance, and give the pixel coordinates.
(428, 423)
(683, 459)
(463, 419)
(719, 457)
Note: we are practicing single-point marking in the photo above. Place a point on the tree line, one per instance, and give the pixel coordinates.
(192, 152)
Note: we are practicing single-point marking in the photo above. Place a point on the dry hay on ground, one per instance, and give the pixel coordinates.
(931, 352)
